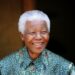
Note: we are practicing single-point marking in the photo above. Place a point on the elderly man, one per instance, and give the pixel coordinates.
(33, 58)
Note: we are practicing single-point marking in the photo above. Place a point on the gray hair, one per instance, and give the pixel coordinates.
(30, 16)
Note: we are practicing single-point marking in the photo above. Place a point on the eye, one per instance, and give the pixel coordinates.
(31, 33)
(44, 32)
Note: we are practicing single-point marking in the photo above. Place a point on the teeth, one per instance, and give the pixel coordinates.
(37, 43)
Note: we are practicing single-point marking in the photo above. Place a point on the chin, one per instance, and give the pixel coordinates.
(38, 50)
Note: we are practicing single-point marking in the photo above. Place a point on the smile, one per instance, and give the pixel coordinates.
(38, 44)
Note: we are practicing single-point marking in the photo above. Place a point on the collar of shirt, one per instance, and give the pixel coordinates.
(25, 61)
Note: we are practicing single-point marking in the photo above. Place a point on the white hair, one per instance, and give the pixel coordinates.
(30, 16)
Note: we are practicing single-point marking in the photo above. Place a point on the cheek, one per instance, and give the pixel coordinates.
(28, 40)
(46, 39)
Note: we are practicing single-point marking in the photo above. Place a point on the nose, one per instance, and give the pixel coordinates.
(38, 36)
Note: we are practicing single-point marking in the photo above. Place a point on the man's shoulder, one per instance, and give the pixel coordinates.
(5, 61)
(10, 62)
(57, 59)
(9, 59)
(58, 63)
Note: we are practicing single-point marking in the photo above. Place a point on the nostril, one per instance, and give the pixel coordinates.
(38, 37)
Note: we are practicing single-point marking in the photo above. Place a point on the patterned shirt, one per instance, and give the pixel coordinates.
(48, 63)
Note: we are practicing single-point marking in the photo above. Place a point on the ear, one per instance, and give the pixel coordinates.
(49, 35)
(22, 36)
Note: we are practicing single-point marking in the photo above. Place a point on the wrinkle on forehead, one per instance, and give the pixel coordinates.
(36, 24)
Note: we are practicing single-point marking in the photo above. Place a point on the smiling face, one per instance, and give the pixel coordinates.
(36, 36)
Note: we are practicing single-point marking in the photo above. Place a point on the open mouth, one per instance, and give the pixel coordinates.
(39, 45)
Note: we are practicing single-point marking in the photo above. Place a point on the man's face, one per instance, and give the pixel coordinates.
(36, 36)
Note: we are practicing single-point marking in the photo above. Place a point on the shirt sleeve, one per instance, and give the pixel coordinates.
(72, 69)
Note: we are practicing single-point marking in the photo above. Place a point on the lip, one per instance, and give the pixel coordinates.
(38, 45)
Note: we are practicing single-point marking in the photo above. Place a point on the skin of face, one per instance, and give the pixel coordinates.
(35, 37)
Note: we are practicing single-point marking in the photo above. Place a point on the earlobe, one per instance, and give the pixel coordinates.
(22, 36)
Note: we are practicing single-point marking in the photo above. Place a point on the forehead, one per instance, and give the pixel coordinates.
(36, 24)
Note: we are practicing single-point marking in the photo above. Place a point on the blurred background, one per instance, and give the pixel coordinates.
(61, 14)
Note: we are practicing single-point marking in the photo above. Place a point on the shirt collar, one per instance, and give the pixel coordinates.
(25, 59)
(42, 60)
